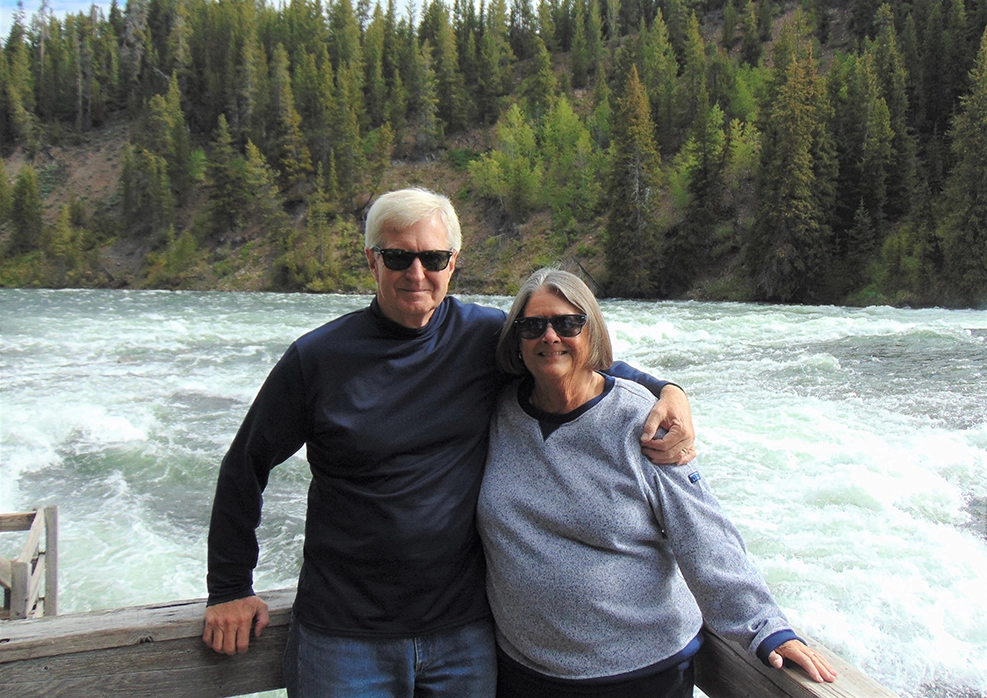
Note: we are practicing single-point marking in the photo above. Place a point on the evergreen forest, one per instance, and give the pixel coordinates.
(797, 151)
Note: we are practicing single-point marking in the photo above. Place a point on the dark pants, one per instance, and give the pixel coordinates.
(516, 681)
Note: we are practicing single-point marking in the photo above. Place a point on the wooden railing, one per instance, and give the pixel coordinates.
(30, 580)
(157, 650)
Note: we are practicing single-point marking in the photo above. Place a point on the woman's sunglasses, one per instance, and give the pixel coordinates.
(399, 260)
(564, 325)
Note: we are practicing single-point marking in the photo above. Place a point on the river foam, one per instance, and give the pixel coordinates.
(849, 446)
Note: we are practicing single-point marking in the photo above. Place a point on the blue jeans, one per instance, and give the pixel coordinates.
(457, 663)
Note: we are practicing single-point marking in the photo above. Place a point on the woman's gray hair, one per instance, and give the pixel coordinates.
(403, 208)
(572, 289)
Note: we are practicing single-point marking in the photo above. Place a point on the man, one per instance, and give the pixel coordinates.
(392, 404)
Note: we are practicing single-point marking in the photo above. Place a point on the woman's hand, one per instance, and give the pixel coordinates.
(672, 413)
(814, 664)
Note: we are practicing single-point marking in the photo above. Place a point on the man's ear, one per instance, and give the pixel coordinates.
(371, 262)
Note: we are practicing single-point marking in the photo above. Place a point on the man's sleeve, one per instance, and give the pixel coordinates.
(275, 427)
(623, 370)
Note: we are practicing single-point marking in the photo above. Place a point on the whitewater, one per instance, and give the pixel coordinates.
(848, 445)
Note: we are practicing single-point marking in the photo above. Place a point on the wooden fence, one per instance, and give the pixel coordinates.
(30, 580)
(157, 650)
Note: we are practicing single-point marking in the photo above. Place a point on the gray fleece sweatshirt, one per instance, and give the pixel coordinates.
(600, 563)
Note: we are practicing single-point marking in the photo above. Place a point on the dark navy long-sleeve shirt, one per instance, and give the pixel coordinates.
(395, 423)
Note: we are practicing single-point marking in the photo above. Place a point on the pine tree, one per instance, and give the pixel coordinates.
(344, 36)
(540, 87)
(495, 61)
(5, 194)
(964, 228)
(546, 26)
(750, 41)
(25, 212)
(889, 66)
(789, 247)
(613, 21)
(730, 18)
(264, 199)
(601, 120)
(180, 156)
(659, 71)
(453, 105)
(426, 123)
(226, 181)
(594, 38)
(688, 245)
(347, 144)
(695, 69)
(19, 88)
(375, 86)
(61, 248)
(294, 161)
(579, 58)
(633, 194)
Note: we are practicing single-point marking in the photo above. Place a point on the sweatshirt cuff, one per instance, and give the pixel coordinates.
(773, 642)
(215, 598)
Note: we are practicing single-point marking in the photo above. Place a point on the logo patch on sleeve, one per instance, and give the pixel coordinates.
(695, 477)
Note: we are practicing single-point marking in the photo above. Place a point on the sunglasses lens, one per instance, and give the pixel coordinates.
(568, 325)
(434, 260)
(531, 327)
(535, 327)
(399, 260)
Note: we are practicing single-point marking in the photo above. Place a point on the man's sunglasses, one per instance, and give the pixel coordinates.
(564, 325)
(399, 260)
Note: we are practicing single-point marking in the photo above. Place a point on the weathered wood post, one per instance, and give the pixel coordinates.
(24, 576)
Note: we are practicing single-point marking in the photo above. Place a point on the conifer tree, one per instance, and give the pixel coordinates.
(495, 61)
(963, 230)
(264, 199)
(179, 156)
(375, 86)
(426, 123)
(613, 22)
(19, 87)
(294, 161)
(579, 57)
(695, 68)
(659, 71)
(789, 246)
(344, 36)
(226, 181)
(730, 18)
(889, 66)
(750, 38)
(594, 37)
(61, 247)
(633, 195)
(5, 194)
(540, 87)
(600, 122)
(347, 145)
(521, 29)
(689, 244)
(25, 212)
(546, 26)
(453, 106)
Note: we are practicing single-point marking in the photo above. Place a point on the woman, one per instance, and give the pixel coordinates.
(601, 566)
